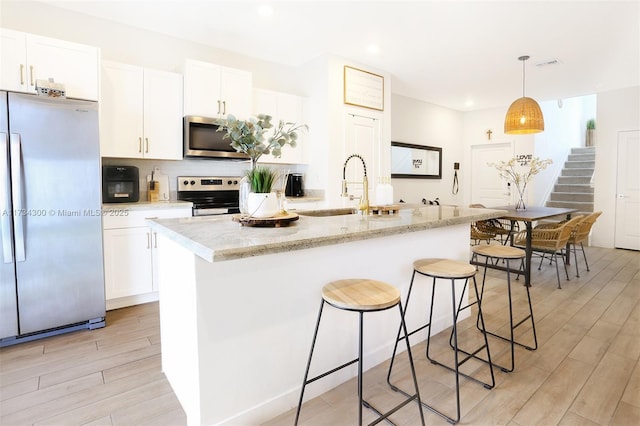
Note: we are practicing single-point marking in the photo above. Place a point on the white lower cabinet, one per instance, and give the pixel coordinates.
(130, 268)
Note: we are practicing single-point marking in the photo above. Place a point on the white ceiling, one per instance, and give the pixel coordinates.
(449, 53)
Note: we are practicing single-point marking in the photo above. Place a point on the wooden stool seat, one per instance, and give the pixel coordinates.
(499, 251)
(359, 294)
(444, 268)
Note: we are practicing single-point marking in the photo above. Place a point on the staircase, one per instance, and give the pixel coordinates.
(573, 188)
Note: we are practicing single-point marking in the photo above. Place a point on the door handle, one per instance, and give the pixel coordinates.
(146, 140)
(140, 144)
(5, 197)
(218, 106)
(31, 74)
(16, 192)
(21, 74)
(224, 107)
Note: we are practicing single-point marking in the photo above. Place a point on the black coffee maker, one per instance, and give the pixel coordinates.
(295, 187)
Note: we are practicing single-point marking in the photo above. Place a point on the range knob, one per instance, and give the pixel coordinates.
(185, 182)
(229, 182)
(193, 182)
(235, 182)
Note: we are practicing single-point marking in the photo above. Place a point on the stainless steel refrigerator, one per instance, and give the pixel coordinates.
(52, 274)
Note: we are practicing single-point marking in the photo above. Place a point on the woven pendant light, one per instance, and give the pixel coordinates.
(524, 115)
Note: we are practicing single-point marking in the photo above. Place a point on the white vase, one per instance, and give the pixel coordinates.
(262, 205)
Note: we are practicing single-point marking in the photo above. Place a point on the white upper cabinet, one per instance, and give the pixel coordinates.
(288, 108)
(27, 58)
(212, 90)
(140, 113)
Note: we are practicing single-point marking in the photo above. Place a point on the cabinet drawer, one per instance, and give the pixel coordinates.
(113, 217)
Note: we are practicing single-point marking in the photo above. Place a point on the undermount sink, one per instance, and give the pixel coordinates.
(328, 212)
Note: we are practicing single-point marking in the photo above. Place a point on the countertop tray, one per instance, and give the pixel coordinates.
(273, 222)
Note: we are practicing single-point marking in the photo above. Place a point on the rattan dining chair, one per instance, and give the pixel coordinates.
(579, 235)
(552, 241)
(501, 229)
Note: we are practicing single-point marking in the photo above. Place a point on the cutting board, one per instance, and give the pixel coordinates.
(163, 182)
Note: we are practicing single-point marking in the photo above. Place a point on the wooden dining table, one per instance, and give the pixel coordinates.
(528, 216)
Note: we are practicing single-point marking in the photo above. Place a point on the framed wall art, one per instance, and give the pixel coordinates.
(363, 88)
(415, 161)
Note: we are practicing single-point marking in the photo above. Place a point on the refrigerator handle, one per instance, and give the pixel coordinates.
(16, 192)
(5, 200)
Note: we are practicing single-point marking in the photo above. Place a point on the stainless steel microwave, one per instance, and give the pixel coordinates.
(202, 139)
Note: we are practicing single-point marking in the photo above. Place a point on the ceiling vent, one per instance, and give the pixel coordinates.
(548, 62)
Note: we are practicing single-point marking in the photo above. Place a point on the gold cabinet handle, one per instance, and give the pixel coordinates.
(218, 106)
(155, 240)
(139, 144)
(148, 240)
(147, 145)
(31, 74)
(224, 107)
(21, 74)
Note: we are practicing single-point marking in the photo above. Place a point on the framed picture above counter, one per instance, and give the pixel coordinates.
(363, 88)
(415, 161)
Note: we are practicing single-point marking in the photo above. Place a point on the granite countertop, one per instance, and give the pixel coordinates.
(219, 238)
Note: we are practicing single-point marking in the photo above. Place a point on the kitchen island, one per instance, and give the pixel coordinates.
(238, 304)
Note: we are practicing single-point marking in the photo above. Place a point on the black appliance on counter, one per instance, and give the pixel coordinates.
(295, 186)
(210, 195)
(120, 184)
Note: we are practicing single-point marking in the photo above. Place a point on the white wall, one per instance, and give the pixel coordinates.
(422, 123)
(475, 127)
(618, 110)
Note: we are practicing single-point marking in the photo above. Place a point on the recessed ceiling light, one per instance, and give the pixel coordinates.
(265, 10)
(373, 48)
(468, 103)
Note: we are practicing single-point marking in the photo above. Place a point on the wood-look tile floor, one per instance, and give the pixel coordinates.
(585, 371)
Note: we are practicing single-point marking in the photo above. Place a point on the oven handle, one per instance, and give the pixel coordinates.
(210, 212)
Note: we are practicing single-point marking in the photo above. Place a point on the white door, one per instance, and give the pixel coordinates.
(487, 188)
(362, 138)
(74, 65)
(14, 74)
(202, 89)
(162, 115)
(627, 233)
(127, 262)
(236, 92)
(121, 111)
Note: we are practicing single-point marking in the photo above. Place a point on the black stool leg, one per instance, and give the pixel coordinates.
(361, 399)
(398, 338)
(512, 326)
(306, 373)
(481, 326)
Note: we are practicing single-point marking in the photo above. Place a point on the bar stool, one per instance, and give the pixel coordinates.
(361, 295)
(506, 253)
(450, 270)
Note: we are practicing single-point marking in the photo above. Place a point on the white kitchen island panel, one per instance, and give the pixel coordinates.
(236, 333)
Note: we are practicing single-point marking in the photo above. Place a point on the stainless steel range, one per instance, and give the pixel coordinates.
(210, 195)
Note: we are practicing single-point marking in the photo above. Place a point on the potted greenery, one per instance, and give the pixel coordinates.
(261, 202)
(257, 136)
(591, 132)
